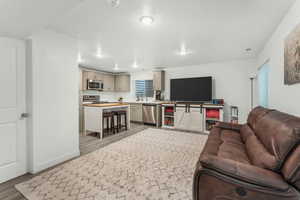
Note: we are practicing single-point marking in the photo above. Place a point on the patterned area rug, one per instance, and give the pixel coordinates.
(154, 164)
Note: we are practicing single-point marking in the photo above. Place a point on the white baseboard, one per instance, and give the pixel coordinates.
(54, 162)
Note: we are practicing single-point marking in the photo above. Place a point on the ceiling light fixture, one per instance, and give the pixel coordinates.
(135, 65)
(248, 50)
(147, 20)
(116, 68)
(183, 51)
(114, 3)
(79, 58)
(99, 53)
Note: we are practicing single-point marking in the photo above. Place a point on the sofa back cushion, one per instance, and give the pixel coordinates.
(278, 132)
(257, 153)
(255, 115)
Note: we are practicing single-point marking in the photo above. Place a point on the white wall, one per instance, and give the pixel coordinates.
(281, 97)
(231, 82)
(53, 99)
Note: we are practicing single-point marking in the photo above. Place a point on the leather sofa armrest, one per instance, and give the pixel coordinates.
(229, 126)
(246, 173)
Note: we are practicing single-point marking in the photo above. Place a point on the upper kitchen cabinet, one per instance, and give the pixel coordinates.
(109, 82)
(122, 83)
(159, 80)
(90, 75)
(99, 76)
(85, 77)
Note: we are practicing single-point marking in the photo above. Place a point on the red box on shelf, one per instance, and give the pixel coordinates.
(169, 110)
(213, 113)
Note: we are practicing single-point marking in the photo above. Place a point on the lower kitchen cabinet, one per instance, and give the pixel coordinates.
(136, 112)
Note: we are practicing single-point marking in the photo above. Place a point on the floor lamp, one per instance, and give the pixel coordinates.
(252, 78)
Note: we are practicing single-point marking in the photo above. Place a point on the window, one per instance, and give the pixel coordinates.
(144, 88)
(263, 85)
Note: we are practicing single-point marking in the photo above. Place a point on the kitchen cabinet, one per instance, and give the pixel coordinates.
(85, 77)
(136, 112)
(159, 80)
(99, 76)
(109, 82)
(80, 79)
(122, 83)
(92, 75)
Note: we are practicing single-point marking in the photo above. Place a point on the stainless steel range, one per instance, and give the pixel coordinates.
(87, 99)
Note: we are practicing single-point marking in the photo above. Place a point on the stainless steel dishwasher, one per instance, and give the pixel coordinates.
(151, 114)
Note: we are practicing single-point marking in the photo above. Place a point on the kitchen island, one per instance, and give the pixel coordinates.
(93, 116)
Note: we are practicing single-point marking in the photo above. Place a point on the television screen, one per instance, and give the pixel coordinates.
(191, 89)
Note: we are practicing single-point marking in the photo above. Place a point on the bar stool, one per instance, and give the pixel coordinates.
(120, 114)
(108, 117)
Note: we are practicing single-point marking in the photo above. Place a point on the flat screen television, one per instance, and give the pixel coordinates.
(191, 89)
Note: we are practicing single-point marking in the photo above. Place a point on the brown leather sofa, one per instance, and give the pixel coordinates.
(259, 160)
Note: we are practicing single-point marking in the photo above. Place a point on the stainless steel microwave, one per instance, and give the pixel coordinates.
(95, 85)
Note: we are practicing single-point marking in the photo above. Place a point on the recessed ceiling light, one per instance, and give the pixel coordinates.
(135, 65)
(116, 68)
(183, 51)
(147, 20)
(114, 3)
(99, 53)
(79, 58)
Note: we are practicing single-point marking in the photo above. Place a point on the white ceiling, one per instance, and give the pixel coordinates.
(214, 30)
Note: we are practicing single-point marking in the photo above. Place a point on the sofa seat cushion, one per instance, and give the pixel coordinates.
(226, 144)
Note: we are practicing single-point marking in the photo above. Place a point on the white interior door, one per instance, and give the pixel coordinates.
(12, 105)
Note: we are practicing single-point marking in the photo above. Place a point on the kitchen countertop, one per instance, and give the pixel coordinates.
(106, 105)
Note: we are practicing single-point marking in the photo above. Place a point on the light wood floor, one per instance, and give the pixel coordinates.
(87, 145)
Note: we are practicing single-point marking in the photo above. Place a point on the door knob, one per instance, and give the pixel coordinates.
(24, 115)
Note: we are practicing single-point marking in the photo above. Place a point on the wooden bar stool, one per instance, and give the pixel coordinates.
(108, 117)
(120, 114)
